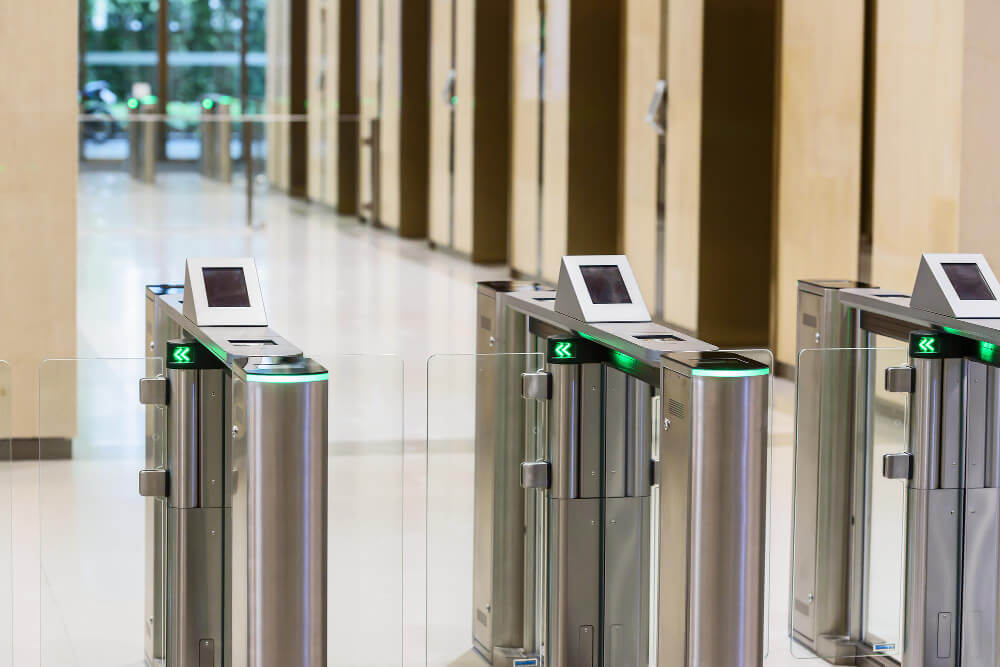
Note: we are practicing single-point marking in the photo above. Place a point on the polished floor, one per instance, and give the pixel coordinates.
(395, 322)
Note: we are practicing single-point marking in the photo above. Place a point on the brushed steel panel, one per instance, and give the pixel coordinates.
(574, 580)
(992, 465)
(976, 390)
(639, 444)
(287, 517)
(925, 439)
(951, 423)
(615, 432)
(981, 583)
(564, 434)
(626, 582)
(182, 450)
(212, 436)
(933, 544)
(713, 504)
(195, 582)
(591, 436)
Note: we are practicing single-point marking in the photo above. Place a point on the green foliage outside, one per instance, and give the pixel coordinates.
(193, 25)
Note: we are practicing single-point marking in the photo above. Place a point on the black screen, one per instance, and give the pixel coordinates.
(968, 282)
(605, 284)
(226, 288)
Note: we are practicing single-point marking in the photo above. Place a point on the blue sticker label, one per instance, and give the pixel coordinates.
(884, 647)
(526, 662)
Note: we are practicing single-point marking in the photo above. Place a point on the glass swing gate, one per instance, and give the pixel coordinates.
(169, 538)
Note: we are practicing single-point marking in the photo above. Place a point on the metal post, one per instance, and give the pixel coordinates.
(933, 533)
(286, 441)
(713, 467)
(223, 139)
(208, 142)
(147, 144)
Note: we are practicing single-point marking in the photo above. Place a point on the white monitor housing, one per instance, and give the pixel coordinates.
(599, 288)
(958, 285)
(223, 292)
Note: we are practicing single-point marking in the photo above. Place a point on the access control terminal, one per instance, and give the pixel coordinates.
(236, 479)
(944, 392)
(570, 545)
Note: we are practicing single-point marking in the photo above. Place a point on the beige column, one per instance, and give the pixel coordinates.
(917, 135)
(640, 149)
(525, 112)
(937, 143)
(38, 172)
(819, 155)
(324, 82)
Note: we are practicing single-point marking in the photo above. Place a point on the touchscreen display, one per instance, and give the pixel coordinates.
(968, 281)
(605, 284)
(226, 287)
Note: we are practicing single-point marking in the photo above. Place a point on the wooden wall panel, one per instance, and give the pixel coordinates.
(38, 208)
(525, 111)
(819, 169)
(389, 163)
(465, 109)
(555, 142)
(368, 91)
(323, 77)
(639, 162)
(979, 229)
(683, 189)
(439, 212)
(917, 134)
(315, 66)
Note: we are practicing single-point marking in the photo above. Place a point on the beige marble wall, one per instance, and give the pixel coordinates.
(819, 168)
(324, 73)
(38, 172)
(918, 136)
(524, 138)
(683, 195)
(641, 72)
(979, 228)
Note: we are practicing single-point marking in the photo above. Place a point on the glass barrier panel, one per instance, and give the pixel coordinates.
(95, 535)
(479, 430)
(847, 548)
(365, 558)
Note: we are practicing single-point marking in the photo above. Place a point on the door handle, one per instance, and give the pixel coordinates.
(656, 115)
(448, 94)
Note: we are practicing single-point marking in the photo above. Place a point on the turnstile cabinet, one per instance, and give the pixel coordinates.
(713, 480)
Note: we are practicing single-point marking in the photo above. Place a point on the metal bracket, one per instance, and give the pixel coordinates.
(153, 391)
(537, 385)
(535, 474)
(899, 379)
(897, 466)
(153, 483)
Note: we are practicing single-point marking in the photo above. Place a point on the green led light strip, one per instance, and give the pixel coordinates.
(287, 379)
(730, 374)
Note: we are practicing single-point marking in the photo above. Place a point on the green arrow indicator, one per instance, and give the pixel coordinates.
(564, 350)
(182, 355)
(927, 345)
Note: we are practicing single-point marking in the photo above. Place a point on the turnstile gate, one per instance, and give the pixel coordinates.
(945, 386)
(570, 547)
(237, 476)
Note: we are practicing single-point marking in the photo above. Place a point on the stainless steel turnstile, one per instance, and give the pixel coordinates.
(566, 548)
(236, 480)
(945, 384)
